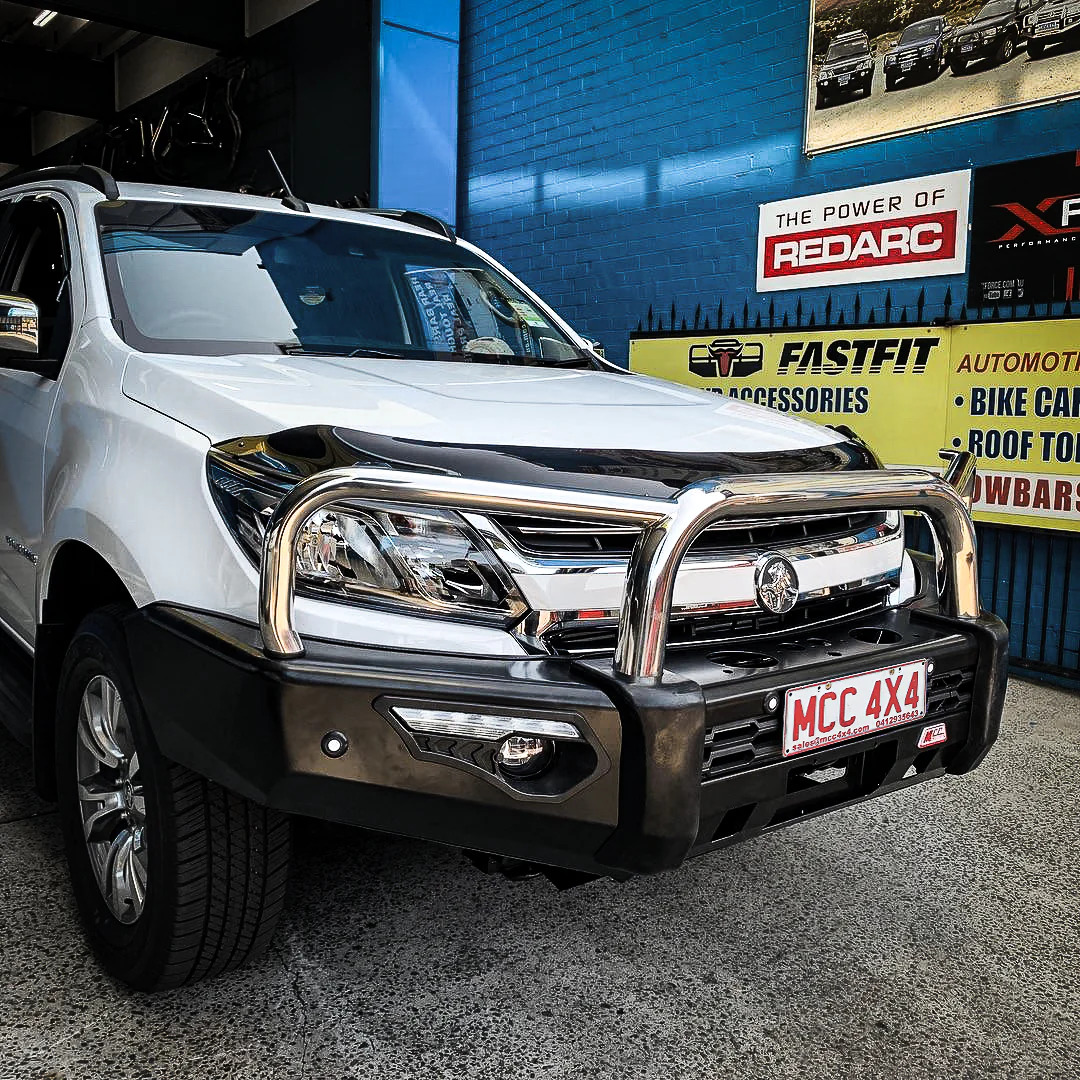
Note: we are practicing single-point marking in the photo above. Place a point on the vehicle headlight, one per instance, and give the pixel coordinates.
(401, 556)
(823, 76)
(429, 558)
(927, 50)
(890, 59)
(989, 35)
(1070, 13)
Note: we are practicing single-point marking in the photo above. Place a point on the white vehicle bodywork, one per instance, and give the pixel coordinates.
(112, 455)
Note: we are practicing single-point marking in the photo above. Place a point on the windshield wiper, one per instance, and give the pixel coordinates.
(515, 360)
(291, 348)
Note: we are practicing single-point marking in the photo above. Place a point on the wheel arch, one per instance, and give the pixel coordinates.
(76, 581)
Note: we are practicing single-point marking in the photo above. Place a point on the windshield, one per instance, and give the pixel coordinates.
(919, 32)
(843, 49)
(999, 7)
(185, 278)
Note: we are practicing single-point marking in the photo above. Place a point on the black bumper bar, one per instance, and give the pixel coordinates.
(661, 771)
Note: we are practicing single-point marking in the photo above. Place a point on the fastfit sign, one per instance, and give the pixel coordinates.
(904, 229)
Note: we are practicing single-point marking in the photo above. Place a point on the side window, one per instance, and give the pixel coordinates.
(34, 263)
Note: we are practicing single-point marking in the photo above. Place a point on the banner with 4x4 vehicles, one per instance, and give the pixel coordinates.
(881, 67)
(1007, 391)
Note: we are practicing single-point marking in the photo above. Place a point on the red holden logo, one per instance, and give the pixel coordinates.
(1044, 219)
(726, 358)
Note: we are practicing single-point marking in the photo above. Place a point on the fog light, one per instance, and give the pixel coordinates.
(524, 755)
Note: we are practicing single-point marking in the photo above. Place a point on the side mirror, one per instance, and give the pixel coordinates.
(18, 326)
(596, 347)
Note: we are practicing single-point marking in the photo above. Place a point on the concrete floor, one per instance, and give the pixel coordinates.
(935, 933)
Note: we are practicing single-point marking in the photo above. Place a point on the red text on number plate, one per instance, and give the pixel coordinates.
(825, 713)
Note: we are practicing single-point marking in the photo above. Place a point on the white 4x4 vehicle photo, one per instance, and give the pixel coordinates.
(321, 512)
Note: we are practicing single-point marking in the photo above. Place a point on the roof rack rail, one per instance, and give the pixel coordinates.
(85, 174)
(419, 219)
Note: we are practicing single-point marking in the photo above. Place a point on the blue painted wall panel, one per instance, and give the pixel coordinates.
(614, 154)
(433, 16)
(418, 65)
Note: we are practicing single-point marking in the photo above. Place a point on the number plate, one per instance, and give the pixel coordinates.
(825, 713)
(906, 65)
(967, 48)
(844, 80)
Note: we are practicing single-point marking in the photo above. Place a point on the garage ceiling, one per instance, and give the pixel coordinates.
(66, 66)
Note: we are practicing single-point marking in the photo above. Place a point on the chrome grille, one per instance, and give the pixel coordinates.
(689, 630)
(548, 536)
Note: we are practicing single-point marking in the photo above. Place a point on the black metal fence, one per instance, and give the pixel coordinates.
(857, 310)
(1029, 577)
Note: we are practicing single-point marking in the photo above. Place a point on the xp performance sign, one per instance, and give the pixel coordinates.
(903, 229)
(1025, 232)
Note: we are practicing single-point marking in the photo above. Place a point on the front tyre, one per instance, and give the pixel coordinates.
(1005, 51)
(1035, 49)
(958, 65)
(176, 879)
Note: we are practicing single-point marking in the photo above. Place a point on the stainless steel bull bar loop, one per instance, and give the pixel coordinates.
(668, 529)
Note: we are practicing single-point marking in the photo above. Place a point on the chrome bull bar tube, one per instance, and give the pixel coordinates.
(668, 528)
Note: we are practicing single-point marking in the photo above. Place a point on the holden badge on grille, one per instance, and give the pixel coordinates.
(777, 584)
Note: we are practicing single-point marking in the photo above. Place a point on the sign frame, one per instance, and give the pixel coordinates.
(1026, 208)
(1007, 390)
(905, 206)
(908, 129)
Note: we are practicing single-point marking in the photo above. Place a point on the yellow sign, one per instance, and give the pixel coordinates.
(1009, 392)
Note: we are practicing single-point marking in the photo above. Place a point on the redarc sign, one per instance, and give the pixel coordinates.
(907, 228)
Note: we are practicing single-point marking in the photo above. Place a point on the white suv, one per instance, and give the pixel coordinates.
(322, 512)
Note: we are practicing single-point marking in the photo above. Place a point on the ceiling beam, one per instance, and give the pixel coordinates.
(59, 82)
(217, 24)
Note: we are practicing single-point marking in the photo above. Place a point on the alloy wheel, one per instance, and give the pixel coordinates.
(112, 803)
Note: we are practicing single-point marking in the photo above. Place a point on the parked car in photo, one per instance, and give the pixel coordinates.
(848, 68)
(1054, 21)
(920, 52)
(318, 511)
(993, 34)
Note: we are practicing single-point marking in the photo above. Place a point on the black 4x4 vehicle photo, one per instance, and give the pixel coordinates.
(993, 34)
(920, 52)
(848, 68)
(1050, 23)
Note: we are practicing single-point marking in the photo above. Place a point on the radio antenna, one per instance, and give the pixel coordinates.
(290, 200)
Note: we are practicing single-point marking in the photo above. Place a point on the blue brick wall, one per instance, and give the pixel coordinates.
(614, 154)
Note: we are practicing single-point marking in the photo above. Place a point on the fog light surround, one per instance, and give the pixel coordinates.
(530, 754)
(521, 756)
